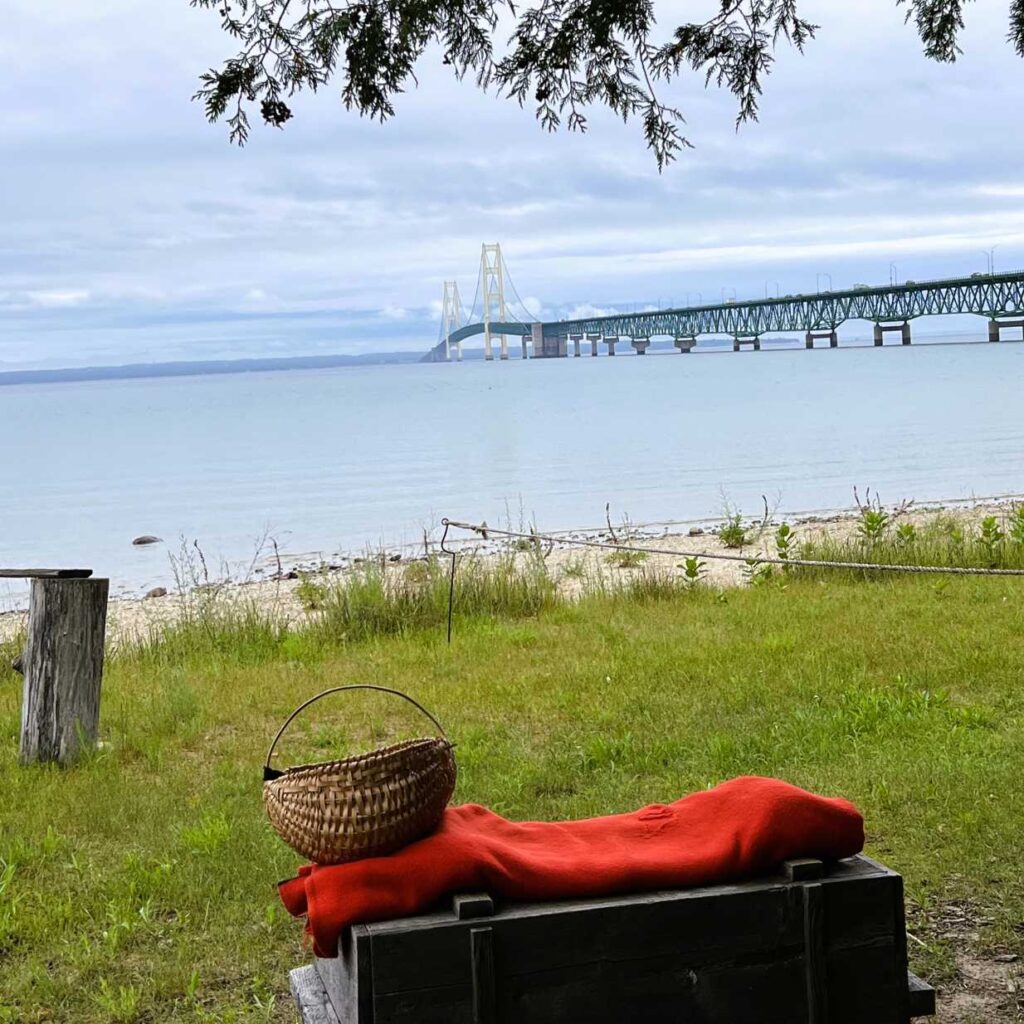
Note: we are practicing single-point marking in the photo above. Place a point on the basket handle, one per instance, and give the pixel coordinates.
(272, 773)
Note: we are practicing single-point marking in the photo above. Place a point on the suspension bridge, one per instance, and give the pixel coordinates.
(498, 313)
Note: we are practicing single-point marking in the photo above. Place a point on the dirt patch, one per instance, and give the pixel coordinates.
(986, 991)
(987, 985)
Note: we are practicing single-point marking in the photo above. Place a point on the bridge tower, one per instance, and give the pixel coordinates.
(492, 286)
(451, 318)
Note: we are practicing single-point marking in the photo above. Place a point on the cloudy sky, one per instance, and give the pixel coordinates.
(133, 231)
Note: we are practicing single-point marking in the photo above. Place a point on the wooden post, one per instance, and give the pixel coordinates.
(63, 663)
(815, 977)
(481, 946)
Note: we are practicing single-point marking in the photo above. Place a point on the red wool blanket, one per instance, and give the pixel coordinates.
(737, 830)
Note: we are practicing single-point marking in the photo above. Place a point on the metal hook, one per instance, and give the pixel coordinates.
(451, 583)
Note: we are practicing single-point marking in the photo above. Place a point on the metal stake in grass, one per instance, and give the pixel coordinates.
(451, 581)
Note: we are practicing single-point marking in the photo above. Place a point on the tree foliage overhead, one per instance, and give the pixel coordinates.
(563, 56)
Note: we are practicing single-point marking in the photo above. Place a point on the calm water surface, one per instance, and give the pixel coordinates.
(339, 459)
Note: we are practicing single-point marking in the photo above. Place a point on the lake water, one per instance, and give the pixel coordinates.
(334, 460)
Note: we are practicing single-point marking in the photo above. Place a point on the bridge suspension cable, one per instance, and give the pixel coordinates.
(476, 298)
(528, 317)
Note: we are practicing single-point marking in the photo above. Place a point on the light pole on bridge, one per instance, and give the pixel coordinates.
(990, 258)
(894, 274)
(817, 280)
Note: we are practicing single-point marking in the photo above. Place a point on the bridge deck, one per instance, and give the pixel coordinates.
(990, 295)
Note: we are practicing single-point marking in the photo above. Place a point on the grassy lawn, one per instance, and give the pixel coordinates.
(139, 886)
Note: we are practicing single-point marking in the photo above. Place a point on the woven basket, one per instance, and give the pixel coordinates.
(362, 806)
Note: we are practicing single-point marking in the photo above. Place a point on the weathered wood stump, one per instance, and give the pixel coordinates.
(63, 668)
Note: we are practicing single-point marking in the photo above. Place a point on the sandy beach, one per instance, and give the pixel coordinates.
(274, 587)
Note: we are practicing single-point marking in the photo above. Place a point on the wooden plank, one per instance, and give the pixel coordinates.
(610, 993)
(576, 934)
(862, 988)
(858, 868)
(348, 977)
(921, 997)
(311, 997)
(814, 954)
(752, 990)
(803, 870)
(63, 664)
(467, 906)
(855, 914)
(899, 964)
(481, 942)
(603, 964)
(862, 952)
(45, 574)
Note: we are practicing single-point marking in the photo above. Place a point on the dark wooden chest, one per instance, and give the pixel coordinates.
(815, 945)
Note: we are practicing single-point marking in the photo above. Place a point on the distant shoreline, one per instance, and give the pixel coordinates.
(193, 368)
(206, 367)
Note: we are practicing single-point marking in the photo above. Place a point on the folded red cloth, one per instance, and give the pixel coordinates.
(736, 830)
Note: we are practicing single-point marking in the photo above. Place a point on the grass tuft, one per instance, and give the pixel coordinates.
(994, 542)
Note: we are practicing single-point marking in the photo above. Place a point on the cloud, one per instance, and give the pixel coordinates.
(585, 310)
(133, 230)
(58, 297)
(534, 306)
(1001, 190)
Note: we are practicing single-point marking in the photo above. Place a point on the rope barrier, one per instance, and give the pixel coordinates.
(485, 531)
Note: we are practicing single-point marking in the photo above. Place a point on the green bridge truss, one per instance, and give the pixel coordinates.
(990, 295)
(996, 296)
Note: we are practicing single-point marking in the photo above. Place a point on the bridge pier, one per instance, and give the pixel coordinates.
(610, 342)
(576, 341)
(753, 340)
(550, 346)
(504, 347)
(685, 344)
(813, 336)
(537, 337)
(526, 354)
(882, 329)
(995, 328)
(595, 340)
(641, 345)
